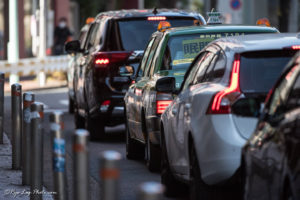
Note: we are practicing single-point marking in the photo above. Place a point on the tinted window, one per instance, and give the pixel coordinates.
(190, 76)
(259, 70)
(294, 97)
(145, 56)
(281, 92)
(135, 33)
(151, 54)
(202, 67)
(219, 68)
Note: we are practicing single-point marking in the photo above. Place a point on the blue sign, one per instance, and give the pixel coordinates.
(59, 164)
(235, 4)
(59, 146)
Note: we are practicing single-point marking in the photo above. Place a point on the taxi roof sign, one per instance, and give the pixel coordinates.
(263, 21)
(214, 17)
(163, 25)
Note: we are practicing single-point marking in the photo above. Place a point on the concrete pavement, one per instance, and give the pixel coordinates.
(11, 180)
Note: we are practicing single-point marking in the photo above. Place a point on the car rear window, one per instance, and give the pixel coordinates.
(182, 49)
(259, 70)
(136, 33)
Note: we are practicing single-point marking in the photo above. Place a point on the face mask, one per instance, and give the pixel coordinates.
(62, 24)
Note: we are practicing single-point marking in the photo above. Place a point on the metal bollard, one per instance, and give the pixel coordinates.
(28, 99)
(80, 149)
(37, 116)
(16, 122)
(151, 191)
(59, 155)
(2, 81)
(109, 175)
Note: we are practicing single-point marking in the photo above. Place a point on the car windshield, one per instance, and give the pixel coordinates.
(136, 33)
(259, 70)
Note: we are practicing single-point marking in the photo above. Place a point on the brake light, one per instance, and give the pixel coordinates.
(104, 59)
(105, 103)
(157, 18)
(222, 100)
(161, 105)
(296, 47)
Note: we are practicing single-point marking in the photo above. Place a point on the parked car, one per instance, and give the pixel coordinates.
(169, 53)
(115, 39)
(73, 62)
(201, 138)
(270, 159)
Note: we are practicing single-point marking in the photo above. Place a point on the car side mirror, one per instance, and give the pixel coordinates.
(246, 107)
(126, 70)
(73, 47)
(165, 84)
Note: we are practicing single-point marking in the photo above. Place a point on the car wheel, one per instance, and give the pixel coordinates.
(79, 121)
(152, 156)
(71, 106)
(173, 187)
(134, 150)
(96, 128)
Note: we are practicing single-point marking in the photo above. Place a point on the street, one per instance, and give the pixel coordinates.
(133, 173)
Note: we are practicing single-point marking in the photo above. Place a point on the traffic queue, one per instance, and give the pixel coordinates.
(210, 106)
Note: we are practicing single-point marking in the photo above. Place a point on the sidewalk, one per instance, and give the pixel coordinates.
(34, 84)
(11, 187)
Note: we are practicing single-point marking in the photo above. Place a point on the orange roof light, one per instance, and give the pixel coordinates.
(89, 20)
(263, 21)
(163, 25)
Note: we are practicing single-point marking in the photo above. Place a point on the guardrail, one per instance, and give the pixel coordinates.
(32, 66)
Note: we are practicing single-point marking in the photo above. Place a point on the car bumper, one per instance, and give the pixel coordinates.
(153, 128)
(218, 149)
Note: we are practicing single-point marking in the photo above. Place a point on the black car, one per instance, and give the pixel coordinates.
(270, 159)
(72, 67)
(108, 59)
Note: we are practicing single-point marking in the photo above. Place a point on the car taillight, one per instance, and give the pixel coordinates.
(104, 59)
(161, 105)
(222, 100)
(296, 47)
(156, 18)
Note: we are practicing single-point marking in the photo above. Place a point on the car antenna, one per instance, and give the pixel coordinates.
(154, 11)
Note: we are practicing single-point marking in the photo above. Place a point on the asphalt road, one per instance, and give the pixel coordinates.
(133, 173)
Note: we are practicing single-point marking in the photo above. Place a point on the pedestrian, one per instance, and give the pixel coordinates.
(62, 34)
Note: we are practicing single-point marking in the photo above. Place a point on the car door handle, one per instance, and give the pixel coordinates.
(174, 111)
(187, 106)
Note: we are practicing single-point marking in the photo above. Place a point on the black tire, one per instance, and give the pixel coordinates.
(134, 150)
(152, 156)
(96, 128)
(173, 188)
(71, 105)
(79, 121)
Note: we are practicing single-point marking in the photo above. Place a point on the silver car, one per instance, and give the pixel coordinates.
(201, 138)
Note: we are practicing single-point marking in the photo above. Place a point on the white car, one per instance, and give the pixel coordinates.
(201, 138)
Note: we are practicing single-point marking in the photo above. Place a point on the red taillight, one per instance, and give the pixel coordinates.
(161, 105)
(221, 101)
(105, 103)
(296, 47)
(156, 18)
(104, 59)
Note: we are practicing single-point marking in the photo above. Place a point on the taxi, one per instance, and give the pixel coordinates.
(169, 53)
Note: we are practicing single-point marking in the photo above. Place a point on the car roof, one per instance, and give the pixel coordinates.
(136, 13)
(219, 28)
(258, 42)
